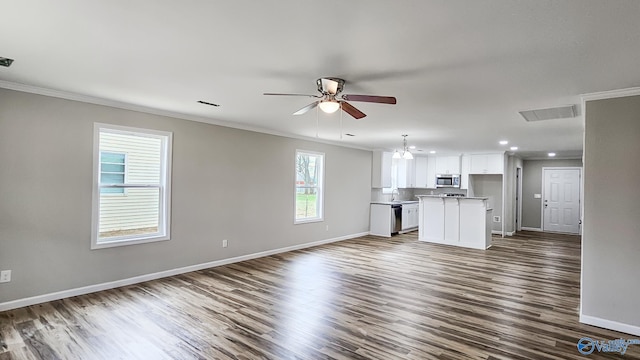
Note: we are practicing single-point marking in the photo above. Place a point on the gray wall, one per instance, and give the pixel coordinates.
(513, 163)
(491, 187)
(227, 184)
(532, 184)
(611, 230)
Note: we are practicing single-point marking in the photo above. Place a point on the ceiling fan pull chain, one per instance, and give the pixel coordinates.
(341, 121)
(317, 121)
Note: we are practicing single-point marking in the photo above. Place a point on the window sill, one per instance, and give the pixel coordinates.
(306, 221)
(128, 241)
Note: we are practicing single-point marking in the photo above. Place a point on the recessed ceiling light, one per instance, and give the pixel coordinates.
(6, 62)
(514, 148)
(503, 142)
(432, 152)
(412, 147)
(552, 154)
(208, 103)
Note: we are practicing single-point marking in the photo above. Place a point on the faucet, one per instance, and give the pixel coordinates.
(396, 191)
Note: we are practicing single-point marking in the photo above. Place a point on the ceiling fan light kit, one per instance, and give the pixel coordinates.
(330, 102)
(329, 106)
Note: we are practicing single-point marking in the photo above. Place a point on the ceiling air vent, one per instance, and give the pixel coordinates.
(561, 112)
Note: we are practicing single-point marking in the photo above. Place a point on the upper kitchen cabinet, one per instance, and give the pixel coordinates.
(381, 169)
(421, 165)
(447, 164)
(486, 164)
(464, 172)
(431, 172)
(406, 173)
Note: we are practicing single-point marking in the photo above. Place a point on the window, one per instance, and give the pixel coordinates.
(131, 186)
(309, 186)
(112, 171)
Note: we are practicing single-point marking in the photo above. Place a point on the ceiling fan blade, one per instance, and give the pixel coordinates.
(330, 86)
(307, 95)
(351, 110)
(371, 98)
(306, 108)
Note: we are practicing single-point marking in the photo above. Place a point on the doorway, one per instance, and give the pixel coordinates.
(561, 200)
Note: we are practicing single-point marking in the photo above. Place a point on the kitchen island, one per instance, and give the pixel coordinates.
(459, 221)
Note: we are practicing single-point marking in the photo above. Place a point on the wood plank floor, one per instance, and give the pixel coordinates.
(366, 298)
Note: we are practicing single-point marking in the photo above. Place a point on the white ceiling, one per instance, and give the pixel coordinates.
(461, 70)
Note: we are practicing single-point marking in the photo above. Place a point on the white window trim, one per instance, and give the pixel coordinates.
(320, 211)
(164, 220)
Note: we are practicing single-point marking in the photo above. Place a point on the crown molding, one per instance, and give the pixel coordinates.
(153, 111)
(610, 94)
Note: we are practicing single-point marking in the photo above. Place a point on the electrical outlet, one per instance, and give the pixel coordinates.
(5, 276)
(327, 227)
(225, 243)
(496, 219)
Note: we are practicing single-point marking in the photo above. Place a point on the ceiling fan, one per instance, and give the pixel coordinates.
(330, 102)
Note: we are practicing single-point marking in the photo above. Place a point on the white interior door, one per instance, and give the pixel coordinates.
(561, 203)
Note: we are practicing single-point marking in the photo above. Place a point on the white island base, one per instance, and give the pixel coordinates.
(459, 221)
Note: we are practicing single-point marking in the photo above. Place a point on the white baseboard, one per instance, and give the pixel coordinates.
(611, 325)
(14, 304)
(530, 229)
(374, 234)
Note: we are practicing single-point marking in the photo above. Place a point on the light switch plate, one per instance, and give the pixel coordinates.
(537, 196)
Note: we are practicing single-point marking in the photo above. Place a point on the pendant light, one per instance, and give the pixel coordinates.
(406, 153)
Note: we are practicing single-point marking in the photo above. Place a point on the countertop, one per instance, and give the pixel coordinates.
(455, 197)
(395, 202)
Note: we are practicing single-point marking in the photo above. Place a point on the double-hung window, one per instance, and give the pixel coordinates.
(131, 186)
(309, 187)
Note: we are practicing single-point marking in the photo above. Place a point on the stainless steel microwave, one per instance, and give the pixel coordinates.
(448, 180)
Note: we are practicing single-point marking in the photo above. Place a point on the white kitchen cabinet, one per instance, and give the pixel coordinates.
(421, 164)
(447, 164)
(381, 169)
(486, 164)
(409, 216)
(406, 173)
(431, 172)
(380, 221)
(464, 171)
(451, 220)
(476, 218)
(431, 226)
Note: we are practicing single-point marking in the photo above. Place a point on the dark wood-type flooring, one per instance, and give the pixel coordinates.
(366, 298)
